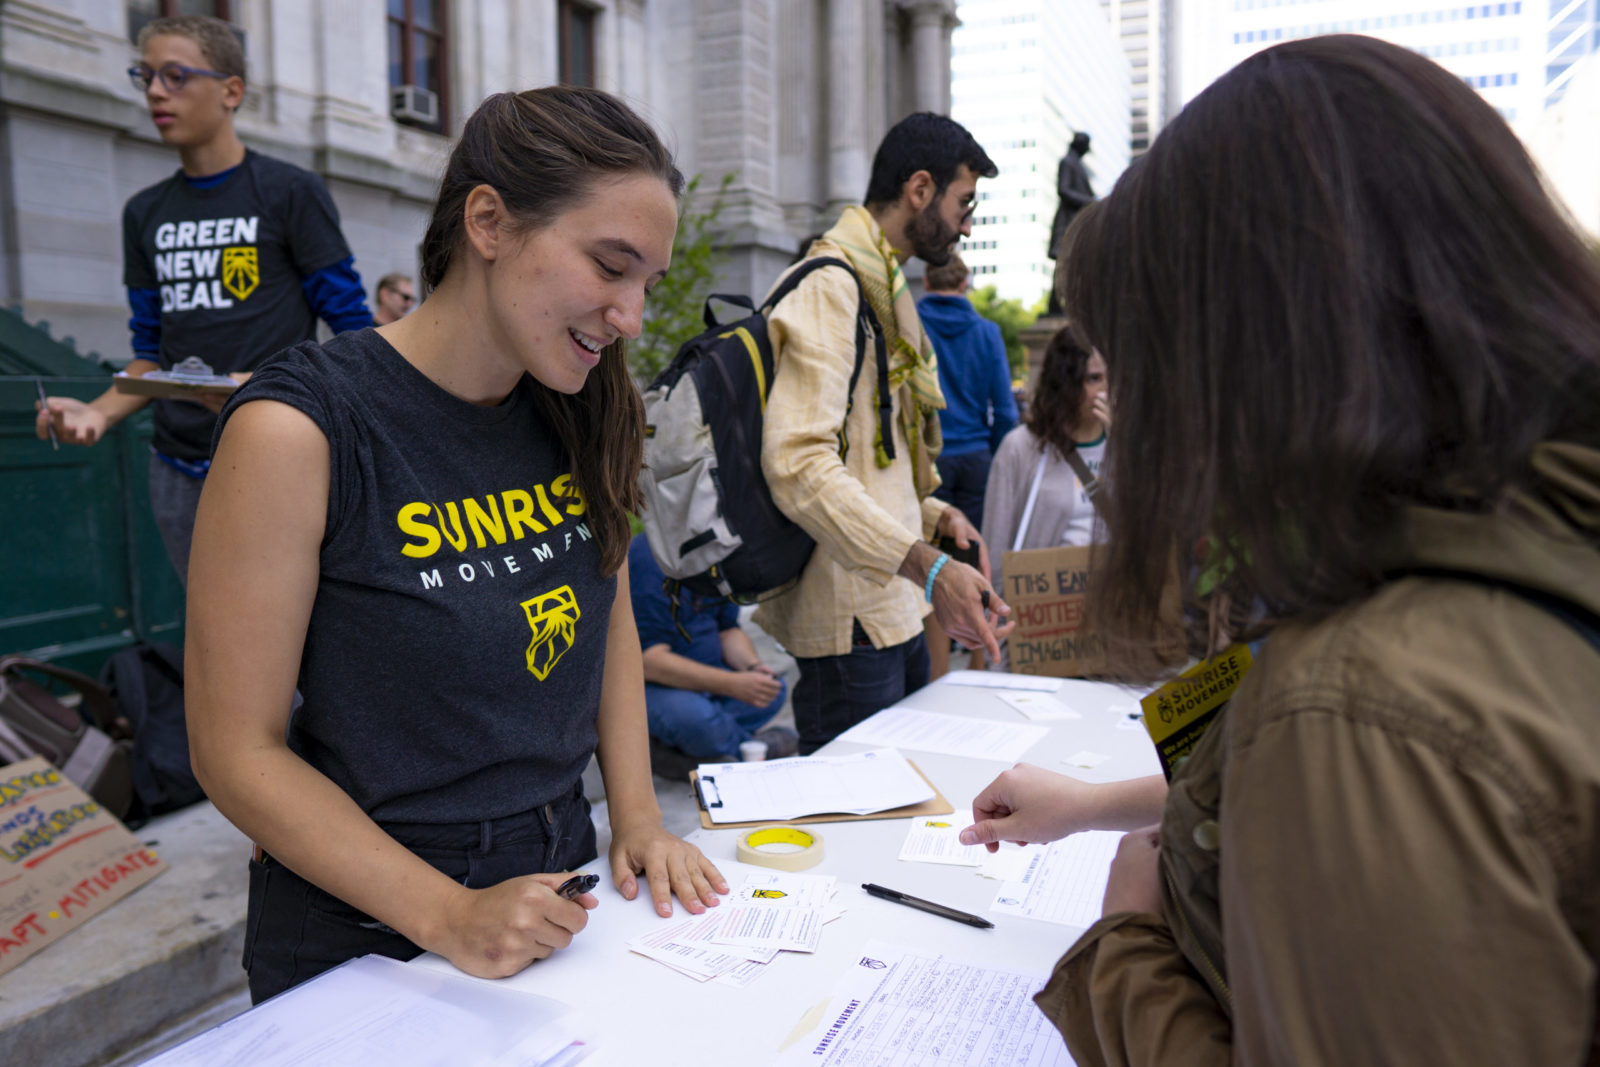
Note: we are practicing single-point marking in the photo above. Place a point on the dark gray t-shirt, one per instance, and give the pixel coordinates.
(453, 662)
(228, 262)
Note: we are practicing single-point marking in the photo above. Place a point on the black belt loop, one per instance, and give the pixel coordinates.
(486, 835)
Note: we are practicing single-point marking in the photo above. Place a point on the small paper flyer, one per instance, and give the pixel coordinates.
(63, 859)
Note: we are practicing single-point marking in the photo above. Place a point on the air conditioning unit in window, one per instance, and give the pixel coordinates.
(412, 103)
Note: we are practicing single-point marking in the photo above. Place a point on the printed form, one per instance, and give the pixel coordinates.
(1063, 883)
(896, 1007)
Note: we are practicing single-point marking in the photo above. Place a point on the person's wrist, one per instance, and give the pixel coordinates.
(933, 575)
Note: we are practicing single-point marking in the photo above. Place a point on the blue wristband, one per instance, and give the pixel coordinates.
(933, 572)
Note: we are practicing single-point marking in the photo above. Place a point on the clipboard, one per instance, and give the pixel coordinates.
(937, 806)
(168, 388)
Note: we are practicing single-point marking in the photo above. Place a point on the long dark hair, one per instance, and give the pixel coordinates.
(542, 151)
(1058, 395)
(1333, 287)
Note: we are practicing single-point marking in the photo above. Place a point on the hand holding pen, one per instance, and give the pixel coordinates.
(49, 419)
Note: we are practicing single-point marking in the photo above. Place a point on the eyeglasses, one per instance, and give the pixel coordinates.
(173, 76)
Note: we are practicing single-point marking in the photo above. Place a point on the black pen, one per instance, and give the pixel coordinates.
(927, 905)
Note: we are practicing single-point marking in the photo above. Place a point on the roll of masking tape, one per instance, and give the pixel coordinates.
(784, 848)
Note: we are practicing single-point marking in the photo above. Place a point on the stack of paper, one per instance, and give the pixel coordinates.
(732, 944)
(773, 790)
(378, 1010)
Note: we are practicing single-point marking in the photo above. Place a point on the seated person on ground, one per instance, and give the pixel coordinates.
(706, 690)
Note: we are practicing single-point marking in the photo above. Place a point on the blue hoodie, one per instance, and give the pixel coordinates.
(972, 372)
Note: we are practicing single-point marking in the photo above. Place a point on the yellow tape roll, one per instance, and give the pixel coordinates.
(752, 848)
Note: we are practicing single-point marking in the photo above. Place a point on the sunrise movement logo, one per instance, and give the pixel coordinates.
(553, 616)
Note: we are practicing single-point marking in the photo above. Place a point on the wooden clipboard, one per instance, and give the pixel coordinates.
(937, 806)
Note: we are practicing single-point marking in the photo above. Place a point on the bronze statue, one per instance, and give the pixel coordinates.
(1072, 186)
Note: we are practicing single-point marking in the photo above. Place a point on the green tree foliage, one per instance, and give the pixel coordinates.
(672, 311)
(1012, 318)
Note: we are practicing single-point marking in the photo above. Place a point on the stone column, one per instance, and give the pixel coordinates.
(929, 48)
(845, 61)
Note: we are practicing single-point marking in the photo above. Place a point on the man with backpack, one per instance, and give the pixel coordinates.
(859, 484)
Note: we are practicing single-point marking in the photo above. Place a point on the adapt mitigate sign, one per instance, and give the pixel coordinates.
(63, 859)
(1047, 589)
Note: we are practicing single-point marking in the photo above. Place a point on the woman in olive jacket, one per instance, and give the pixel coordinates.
(1349, 333)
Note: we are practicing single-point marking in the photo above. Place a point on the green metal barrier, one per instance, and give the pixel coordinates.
(82, 568)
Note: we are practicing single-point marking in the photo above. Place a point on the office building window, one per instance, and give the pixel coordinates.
(417, 58)
(575, 25)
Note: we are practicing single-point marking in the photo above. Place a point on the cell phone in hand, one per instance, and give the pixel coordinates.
(968, 555)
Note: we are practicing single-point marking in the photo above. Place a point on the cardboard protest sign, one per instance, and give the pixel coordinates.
(1047, 589)
(1178, 714)
(63, 859)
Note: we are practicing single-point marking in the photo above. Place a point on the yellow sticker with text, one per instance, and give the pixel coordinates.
(1179, 713)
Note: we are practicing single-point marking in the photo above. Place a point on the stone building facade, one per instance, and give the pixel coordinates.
(789, 96)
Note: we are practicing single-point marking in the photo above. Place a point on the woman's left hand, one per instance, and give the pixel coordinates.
(670, 864)
(1101, 406)
(1135, 882)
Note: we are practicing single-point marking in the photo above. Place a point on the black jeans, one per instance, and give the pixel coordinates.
(295, 931)
(964, 481)
(836, 692)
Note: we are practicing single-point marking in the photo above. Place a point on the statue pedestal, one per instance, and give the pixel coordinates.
(1035, 338)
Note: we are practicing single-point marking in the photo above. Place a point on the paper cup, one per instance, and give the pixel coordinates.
(752, 751)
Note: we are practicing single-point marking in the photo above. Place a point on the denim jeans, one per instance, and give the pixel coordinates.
(295, 931)
(836, 692)
(705, 725)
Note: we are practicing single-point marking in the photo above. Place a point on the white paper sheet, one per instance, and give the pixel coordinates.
(861, 784)
(687, 947)
(1001, 680)
(937, 839)
(1065, 882)
(781, 910)
(952, 735)
(378, 1010)
(1038, 707)
(896, 1006)
(1009, 864)
(1086, 759)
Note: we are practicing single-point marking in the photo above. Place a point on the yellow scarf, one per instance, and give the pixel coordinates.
(912, 367)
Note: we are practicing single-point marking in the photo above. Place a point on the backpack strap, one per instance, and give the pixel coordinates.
(1091, 484)
(1575, 615)
(866, 324)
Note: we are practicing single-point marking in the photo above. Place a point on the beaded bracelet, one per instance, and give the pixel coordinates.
(933, 572)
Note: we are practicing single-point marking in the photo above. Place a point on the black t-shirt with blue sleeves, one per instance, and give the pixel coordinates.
(227, 261)
(453, 663)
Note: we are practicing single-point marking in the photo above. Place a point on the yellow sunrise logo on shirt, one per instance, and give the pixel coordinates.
(241, 270)
(553, 616)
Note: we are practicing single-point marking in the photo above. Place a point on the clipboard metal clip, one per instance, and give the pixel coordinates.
(708, 790)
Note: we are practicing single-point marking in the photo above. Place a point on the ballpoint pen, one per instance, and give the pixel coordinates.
(49, 422)
(927, 905)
